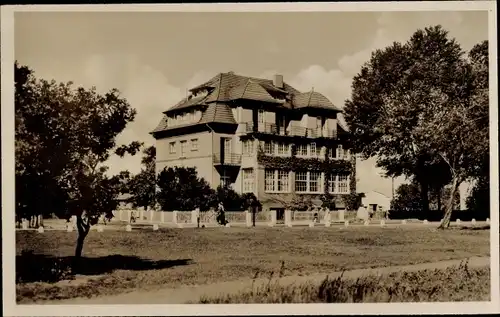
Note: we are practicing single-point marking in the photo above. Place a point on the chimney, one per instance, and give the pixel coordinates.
(278, 81)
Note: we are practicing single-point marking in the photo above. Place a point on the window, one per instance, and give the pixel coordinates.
(283, 184)
(301, 181)
(313, 149)
(339, 184)
(248, 147)
(332, 153)
(332, 183)
(314, 182)
(308, 182)
(194, 144)
(340, 152)
(343, 184)
(302, 150)
(277, 181)
(248, 180)
(269, 181)
(225, 180)
(183, 148)
(261, 115)
(282, 149)
(172, 147)
(268, 148)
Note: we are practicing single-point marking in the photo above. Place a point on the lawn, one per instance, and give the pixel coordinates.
(119, 261)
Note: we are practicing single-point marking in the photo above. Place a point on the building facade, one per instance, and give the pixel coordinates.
(259, 136)
(375, 201)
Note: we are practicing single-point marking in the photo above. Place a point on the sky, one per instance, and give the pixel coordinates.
(154, 57)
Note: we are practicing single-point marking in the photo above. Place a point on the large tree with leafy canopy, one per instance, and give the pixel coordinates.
(396, 98)
(63, 137)
(181, 189)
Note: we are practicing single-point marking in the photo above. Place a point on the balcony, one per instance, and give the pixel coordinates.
(231, 159)
(271, 128)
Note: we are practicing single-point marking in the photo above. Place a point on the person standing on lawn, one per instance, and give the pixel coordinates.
(221, 217)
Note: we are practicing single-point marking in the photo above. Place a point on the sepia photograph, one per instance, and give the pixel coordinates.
(250, 154)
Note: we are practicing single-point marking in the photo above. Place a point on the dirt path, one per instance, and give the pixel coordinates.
(193, 293)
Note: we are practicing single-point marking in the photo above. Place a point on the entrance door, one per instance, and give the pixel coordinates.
(227, 149)
(280, 215)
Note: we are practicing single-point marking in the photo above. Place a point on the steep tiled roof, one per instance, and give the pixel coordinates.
(188, 102)
(251, 91)
(162, 125)
(312, 99)
(219, 113)
(230, 80)
(228, 87)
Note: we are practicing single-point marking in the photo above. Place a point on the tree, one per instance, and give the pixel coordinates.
(409, 108)
(382, 130)
(454, 125)
(182, 189)
(142, 186)
(407, 198)
(64, 135)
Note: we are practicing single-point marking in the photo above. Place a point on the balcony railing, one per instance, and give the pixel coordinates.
(272, 128)
(227, 159)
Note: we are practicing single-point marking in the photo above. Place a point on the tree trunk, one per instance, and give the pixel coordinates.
(445, 222)
(424, 197)
(439, 195)
(83, 227)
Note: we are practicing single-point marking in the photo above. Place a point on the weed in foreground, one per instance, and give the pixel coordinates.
(459, 283)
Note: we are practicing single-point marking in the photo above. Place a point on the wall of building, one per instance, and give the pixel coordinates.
(376, 198)
(200, 158)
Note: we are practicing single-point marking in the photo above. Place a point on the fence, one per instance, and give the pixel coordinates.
(245, 217)
(435, 215)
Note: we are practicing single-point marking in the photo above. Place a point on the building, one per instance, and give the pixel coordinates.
(376, 201)
(258, 136)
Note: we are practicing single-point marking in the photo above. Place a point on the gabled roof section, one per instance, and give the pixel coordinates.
(313, 99)
(218, 113)
(227, 85)
(188, 102)
(162, 125)
(252, 91)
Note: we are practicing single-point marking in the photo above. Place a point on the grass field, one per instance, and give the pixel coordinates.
(118, 261)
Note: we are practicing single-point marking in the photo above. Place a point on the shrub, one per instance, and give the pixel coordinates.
(36, 268)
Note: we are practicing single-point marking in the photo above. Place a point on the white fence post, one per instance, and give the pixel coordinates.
(328, 218)
(151, 214)
(193, 216)
(273, 216)
(162, 216)
(248, 218)
(174, 216)
(288, 218)
(341, 215)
